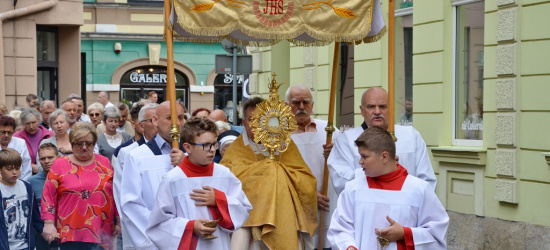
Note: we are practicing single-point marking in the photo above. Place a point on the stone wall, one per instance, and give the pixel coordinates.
(468, 231)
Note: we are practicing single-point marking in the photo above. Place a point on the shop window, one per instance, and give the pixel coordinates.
(136, 83)
(223, 95)
(468, 73)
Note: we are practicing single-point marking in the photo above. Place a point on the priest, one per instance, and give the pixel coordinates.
(282, 192)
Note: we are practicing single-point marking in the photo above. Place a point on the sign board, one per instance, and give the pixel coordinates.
(224, 64)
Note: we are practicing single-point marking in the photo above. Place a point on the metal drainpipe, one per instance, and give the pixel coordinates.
(14, 14)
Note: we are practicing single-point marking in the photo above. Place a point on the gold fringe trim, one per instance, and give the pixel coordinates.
(257, 233)
(377, 37)
(268, 38)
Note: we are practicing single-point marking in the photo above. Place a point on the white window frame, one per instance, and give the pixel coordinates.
(459, 142)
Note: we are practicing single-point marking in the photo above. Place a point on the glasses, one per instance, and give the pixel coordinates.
(80, 144)
(6, 132)
(207, 146)
(146, 120)
(95, 115)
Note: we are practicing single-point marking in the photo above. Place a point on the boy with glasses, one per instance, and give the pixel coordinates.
(196, 192)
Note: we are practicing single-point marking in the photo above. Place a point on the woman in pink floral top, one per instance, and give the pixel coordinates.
(77, 202)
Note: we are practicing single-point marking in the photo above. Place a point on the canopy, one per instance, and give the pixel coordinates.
(267, 22)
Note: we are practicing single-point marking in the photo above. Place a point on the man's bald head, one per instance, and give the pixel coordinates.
(218, 115)
(162, 120)
(374, 107)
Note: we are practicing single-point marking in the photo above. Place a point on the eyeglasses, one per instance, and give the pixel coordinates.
(147, 120)
(207, 146)
(6, 132)
(95, 114)
(80, 144)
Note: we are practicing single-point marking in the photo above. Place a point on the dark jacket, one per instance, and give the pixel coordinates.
(34, 220)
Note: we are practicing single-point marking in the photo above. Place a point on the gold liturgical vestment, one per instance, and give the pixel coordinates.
(283, 193)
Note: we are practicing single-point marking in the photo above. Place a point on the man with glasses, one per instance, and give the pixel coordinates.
(140, 182)
(310, 137)
(7, 129)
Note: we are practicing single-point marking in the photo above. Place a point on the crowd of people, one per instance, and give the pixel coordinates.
(112, 178)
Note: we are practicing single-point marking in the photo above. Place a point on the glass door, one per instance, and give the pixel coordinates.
(46, 78)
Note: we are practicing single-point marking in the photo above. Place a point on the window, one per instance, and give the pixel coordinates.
(404, 65)
(223, 95)
(468, 73)
(136, 83)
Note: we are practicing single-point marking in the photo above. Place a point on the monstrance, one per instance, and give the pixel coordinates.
(273, 122)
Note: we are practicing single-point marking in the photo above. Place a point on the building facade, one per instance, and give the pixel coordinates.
(123, 52)
(475, 73)
(40, 49)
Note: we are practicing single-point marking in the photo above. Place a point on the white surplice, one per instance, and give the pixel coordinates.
(20, 146)
(361, 209)
(173, 206)
(118, 166)
(410, 147)
(310, 145)
(139, 187)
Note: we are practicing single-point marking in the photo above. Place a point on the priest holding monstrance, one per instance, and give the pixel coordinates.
(275, 178)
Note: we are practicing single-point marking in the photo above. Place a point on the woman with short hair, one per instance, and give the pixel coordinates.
(33, 133)
(95, 112)
(107, 142)
(77, 201)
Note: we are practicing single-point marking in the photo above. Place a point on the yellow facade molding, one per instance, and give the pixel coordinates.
(137, 17)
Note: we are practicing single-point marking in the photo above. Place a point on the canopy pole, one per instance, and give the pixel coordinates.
(329, 129)
(391, 68)
(170, 75)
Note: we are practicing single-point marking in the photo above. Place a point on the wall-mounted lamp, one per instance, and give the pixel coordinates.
(118, 48)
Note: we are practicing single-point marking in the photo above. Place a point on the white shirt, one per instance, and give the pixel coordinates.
(84, 118)
(410, 147)
(20, 146)
(139, 185)
(310, 145)
(362, 209)
(109, 104)
(173, 208)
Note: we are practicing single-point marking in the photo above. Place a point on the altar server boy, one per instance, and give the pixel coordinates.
(196, 192)
(387, 208)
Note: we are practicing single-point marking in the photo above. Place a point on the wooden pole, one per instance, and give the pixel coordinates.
(329, 129)
(170, 75)
(391, 67)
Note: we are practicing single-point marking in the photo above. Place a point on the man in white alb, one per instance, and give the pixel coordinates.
(310, 138)
(411, 148)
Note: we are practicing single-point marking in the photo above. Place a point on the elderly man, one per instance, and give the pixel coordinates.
(411, 148)
(80, 116)
(310, 138)
(103, 98)
(70, 108)
(46, 108)
(283, 193)
(140, 182)
(219, 115)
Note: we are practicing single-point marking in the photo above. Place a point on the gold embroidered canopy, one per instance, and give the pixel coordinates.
(266, 22)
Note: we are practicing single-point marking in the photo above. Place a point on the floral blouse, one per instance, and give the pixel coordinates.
(80, 200)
